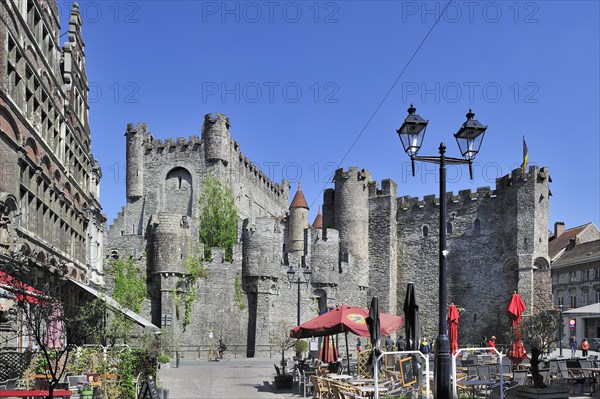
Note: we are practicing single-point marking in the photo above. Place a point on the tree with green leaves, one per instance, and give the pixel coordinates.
(51, 311)
(538, 332)
(129, 291)
(218, 217)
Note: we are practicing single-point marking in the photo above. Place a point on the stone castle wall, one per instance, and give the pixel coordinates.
(372, 243)
(487, 255)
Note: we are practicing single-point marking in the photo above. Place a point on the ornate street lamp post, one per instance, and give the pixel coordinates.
(298, 276)
(469, 138)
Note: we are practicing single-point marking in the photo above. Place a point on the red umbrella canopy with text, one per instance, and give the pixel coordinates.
(345, 318)
(515, 310)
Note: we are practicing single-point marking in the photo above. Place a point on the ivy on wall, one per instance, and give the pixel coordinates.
(130, 291)
(186, 288)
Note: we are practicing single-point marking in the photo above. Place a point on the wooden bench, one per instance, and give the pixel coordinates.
(20, 393)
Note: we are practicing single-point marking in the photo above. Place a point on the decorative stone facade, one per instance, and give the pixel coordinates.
(49, 179)
(368, 241)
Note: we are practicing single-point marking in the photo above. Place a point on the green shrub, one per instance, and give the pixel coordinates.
(164, 359)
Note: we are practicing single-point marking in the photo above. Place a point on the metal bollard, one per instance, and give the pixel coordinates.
(177, 359)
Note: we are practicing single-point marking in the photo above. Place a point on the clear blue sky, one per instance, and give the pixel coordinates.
(304, 85)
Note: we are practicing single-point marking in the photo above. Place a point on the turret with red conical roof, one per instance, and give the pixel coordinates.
(298, 222)
(318, 225)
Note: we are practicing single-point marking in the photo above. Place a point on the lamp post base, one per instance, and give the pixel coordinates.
(442, 368)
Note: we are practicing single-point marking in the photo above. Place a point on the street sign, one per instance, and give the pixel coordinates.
(572, 324)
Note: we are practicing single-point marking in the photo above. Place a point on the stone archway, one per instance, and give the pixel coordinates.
(178, 192)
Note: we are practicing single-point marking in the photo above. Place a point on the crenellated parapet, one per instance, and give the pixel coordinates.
(182, 144)
(407, 203)
(535, 174)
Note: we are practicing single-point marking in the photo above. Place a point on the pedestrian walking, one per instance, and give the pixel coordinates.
(573, 345)
(400, 343)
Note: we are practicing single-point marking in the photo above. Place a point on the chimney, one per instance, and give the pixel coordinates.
(559, 228)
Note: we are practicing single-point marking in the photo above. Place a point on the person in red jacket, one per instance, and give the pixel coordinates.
(491, 343)
(585, 345)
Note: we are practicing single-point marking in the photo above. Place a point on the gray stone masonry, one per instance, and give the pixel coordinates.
(372, 243)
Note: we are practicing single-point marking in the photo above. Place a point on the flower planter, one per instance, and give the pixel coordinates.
(550, 392)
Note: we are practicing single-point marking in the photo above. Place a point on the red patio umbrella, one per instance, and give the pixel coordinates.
(453, 328)
(344, 319)
(328, 352)
(515, 309)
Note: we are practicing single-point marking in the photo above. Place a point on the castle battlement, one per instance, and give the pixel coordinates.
(352, 172)
(139, 126)
(253, 170)
(535, 173)
(187, 147)
(388, 187)
(182, 143)
(218, 118)
(407, 202)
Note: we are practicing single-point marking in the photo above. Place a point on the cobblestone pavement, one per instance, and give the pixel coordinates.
(232, 379)
(240, 379)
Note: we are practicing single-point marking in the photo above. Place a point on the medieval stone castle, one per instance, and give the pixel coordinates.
(367, 241)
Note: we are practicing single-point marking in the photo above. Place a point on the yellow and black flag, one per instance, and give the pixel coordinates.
(525, 157)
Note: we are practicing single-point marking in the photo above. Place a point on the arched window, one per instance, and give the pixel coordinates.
(425, 231)
(178, 192)
(477, 225)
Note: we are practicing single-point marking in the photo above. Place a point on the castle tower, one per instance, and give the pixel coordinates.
(318, 225)
(135, 161)
(351, 215)
(169, 237)
(298, 222)
(216, 137)
(525, 201)
(261, 268)
(383, 240)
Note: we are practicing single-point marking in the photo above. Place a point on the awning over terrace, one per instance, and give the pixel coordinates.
(116, 306)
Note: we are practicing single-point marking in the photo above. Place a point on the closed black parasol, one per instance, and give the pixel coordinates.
(412, 326)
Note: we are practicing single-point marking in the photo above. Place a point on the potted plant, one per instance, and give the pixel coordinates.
(164, 359)
(280, 338)
(538, 332)
(86, 391)
(301, 347)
